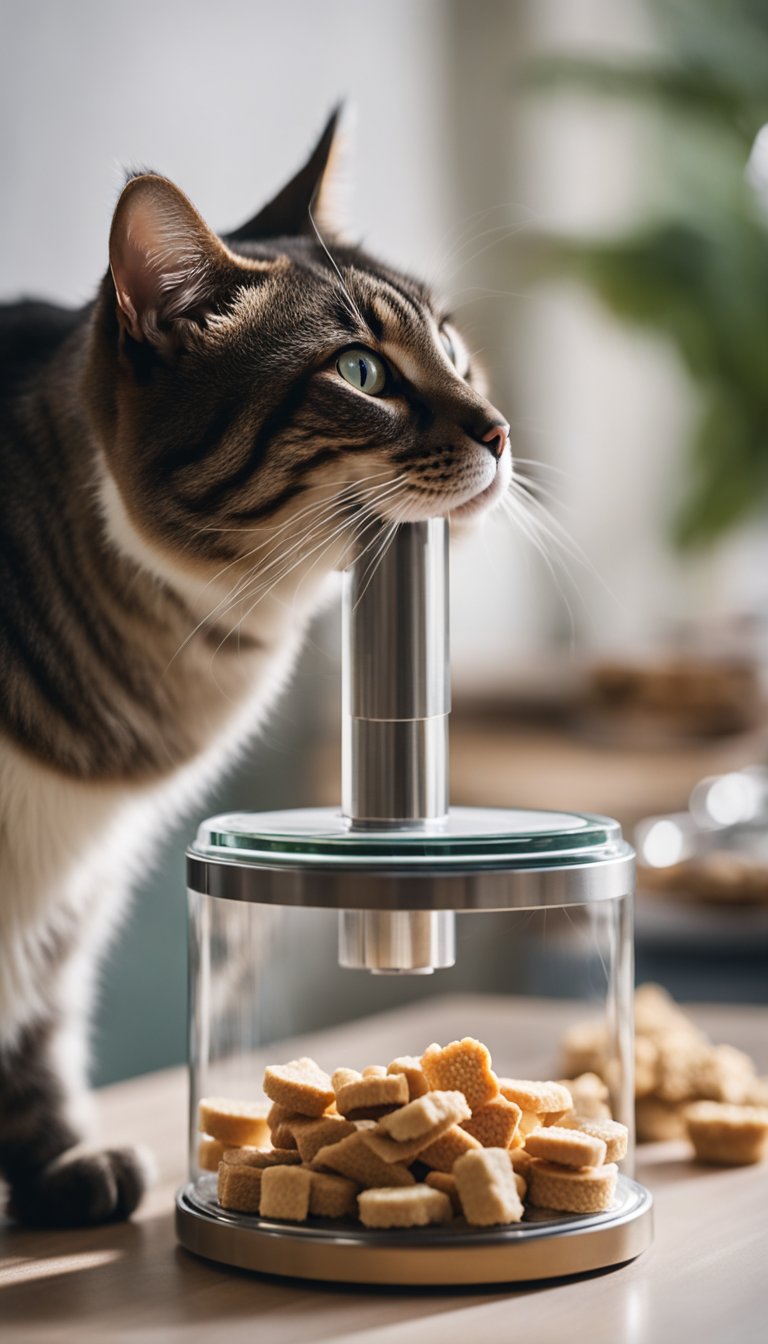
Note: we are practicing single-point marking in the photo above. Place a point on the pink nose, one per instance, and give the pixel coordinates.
(497, 439)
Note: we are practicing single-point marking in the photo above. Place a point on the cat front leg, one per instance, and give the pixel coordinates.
(53, 1179)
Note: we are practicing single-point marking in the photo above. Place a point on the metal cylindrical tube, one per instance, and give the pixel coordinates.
(395, 678)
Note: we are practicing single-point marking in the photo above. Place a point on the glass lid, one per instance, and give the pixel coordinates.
(468, 837)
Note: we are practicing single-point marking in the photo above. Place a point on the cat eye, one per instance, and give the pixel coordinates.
(448, 345)
(363, 370)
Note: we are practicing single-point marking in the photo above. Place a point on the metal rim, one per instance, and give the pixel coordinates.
(525, 1253)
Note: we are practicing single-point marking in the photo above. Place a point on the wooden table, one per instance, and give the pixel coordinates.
(705, 1279)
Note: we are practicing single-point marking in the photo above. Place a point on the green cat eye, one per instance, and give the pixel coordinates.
(363, 370)
(448, 345)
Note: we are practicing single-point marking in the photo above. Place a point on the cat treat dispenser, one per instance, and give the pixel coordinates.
(360, 935)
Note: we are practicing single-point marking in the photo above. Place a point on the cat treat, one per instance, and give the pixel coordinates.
(236, 1123)
(300, 1086)
(487, 1188)
(588, 1190)
(285, 1193)
(404, 1208)
(726, 1134)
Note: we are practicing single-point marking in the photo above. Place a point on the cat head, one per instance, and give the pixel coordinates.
(279, 375)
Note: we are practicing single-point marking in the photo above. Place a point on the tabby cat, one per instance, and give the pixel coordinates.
(184, 462)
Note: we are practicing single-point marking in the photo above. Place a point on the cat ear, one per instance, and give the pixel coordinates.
(317, 185)
(167, 265)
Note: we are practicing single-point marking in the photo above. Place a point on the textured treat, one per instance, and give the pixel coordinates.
(300, 1086)
(340, 1077)
(727, 1134)
(239, 1188)
(332, 1196)
(353, 1158)
(463, 1066)
(415, 1207)
(445, 1181)
(528, 1124)
(374, 1071)
(234, 1122)
(583, 1048)
(495, 1124)
(521, 1184)
(615, 1136)
(414, 1074)
(312, 1135)
(442, 1155)
(590, 1096)
(724, 1073)
(261, 1157)
(285, 1193)
(541, 1098)
(420, 1117)
(588, 1191)
(210, 1153)
(520, 1161)
(366, 1096)
(487, 1188)
(567, 1147)
(658, 1121)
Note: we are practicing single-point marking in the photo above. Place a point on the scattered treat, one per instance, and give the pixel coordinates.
(416, 1207)
(614, 1135)
(300, 1086)
(657, 1121)
(442, 1155)
(567, 1147)
(234, 1122)
(239, 1188)
(487, 1188)
(261, 1157)
(414, 1075)
(590, 1190)
(445, 1181)
(285, 1193)
(311, 1135)
(463, 1066)
(420, 1117)
(725, 1074)
(494, 1125)
(367, 1098)
(210, 1152)
(332, 1196)
(590, 1096)
(539, 1098)
(727, 1134)
(353, 1158)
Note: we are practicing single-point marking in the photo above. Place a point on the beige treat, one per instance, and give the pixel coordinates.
(552, 1117)
(301, 1086)
(727, 1134)
(723, 1073)
(678, 1061)
(261, 1157)
(445, 1181)
(420, 1117)
(374, 1071)
(332, 1196)
(567, 1147)
(234, 1122)
(487, 1188)
(495, 1123)
(590, 1096)
(312, 1135)
(758, 1092)
(584, 1048)
(282, 1133)
(657, 1015)
(568, 1191)
(353, 1158)
(285, 1193)
(520, 1161)
(521, 1184)
(463, 1066)
(442, 1155)
(541, 1098)
(366, 1096)
(528, 1124)
(414, 1074)
(239, 1188)
(657, 1121)
(416, 1207)
(614, 1135)
(340, 1077)
(210, 1153)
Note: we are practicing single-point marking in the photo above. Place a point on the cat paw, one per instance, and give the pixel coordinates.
(82, 1188)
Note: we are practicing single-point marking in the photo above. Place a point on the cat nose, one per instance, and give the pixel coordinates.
(496, 439)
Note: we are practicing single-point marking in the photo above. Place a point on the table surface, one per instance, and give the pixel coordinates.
(703, 1279)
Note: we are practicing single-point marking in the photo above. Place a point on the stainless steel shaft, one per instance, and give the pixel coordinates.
(396, 678)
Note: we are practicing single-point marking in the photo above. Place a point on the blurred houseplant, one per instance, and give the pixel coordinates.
(697, 272)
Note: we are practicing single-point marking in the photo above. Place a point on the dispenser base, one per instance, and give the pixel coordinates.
(544, 1246)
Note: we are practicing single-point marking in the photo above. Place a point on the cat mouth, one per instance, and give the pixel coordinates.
(483, 500)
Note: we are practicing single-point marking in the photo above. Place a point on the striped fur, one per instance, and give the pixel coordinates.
(183, 468)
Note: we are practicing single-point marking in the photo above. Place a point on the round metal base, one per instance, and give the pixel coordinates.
(544, 1246)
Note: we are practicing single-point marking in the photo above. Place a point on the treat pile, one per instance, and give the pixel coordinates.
(684, 1085)
(423, 1140)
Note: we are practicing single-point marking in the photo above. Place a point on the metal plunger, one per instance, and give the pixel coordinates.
(395, 707)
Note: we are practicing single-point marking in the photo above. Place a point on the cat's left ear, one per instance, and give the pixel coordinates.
(169, 268)
(319, 186)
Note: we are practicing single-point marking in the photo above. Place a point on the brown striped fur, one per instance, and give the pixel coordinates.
(182, 467)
